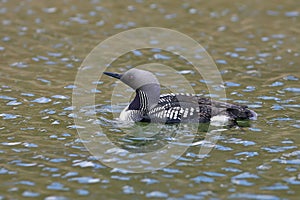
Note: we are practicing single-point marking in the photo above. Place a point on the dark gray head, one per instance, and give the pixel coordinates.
(145, 84)
(135, 78)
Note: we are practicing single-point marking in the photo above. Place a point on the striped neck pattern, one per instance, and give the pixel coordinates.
(140, 102)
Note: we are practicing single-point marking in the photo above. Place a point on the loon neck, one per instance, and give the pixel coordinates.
(146, 97)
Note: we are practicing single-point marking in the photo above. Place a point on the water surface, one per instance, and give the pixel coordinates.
(42, 44)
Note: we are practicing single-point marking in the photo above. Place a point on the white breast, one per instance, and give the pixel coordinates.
(130, 115)
(124, 114)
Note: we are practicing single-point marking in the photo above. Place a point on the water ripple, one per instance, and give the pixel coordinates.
(42, 100)
(85, 180)
(276, 186)
(156, 194)
(253, 196)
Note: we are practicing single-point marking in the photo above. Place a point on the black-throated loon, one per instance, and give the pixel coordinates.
(150, 106)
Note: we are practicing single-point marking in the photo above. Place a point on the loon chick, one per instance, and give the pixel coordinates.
(150, 106)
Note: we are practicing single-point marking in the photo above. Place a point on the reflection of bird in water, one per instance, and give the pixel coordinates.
(151, 106)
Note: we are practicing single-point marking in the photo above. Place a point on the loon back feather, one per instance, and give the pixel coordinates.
(149, 106)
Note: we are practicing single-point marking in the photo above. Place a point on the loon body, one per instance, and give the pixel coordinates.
(151, 106)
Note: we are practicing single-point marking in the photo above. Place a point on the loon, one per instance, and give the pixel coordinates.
(151, 106)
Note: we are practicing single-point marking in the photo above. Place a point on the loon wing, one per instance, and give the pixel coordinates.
(234, 111)
(176, 108)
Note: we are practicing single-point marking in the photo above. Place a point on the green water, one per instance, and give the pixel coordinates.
(42, 44)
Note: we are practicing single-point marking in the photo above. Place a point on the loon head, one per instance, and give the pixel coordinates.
(144, 83)
(135, 78)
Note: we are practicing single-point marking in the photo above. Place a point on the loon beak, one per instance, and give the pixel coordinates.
(115, 75)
